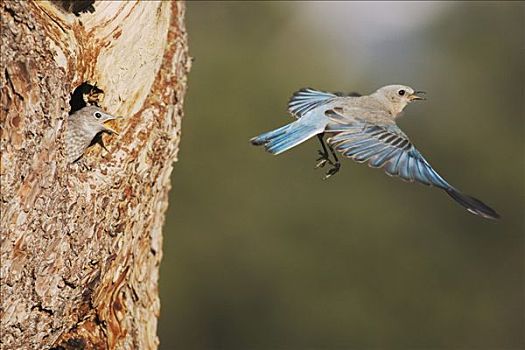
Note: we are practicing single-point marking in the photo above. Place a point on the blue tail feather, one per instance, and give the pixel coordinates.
(282, 139)
(265, 137)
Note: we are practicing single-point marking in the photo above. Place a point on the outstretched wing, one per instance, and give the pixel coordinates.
(306, 99)
(387, 147)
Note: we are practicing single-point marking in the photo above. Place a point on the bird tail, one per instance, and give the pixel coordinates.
(472, 204)
(282, 139)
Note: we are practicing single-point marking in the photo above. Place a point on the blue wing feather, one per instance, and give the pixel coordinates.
(305, 100)
(405, 170)
(382, 157)
(387, 147)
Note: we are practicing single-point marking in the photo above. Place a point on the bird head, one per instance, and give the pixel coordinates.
(397, 97)
(97, 118)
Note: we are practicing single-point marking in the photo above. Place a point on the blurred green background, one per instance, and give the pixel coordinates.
(260, 253)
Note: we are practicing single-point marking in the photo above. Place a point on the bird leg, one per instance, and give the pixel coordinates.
(336, 165)
(324, 156)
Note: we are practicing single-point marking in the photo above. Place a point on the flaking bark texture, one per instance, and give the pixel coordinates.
(81, 243)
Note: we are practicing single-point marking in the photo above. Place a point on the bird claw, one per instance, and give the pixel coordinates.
(332, 171)
(322, 160)
(83, 165)
(321, 163)
(325, 159)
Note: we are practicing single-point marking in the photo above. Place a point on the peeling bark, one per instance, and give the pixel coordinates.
(81, 243)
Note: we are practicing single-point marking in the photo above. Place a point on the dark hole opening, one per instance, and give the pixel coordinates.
(77, 97)
(76, 7)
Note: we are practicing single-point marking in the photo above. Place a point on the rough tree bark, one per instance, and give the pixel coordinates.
(81, 243)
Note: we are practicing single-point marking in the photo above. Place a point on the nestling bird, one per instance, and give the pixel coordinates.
(363, 128)
(84, 129)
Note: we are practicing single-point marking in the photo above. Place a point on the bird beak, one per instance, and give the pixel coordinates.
(108, 128)
(415, 97)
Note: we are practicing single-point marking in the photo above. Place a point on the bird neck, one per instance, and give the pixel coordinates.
(393, 108)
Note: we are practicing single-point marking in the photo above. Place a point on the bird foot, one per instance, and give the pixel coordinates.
(322, 160)
(321, 163)
(332, 171)
(83, 166)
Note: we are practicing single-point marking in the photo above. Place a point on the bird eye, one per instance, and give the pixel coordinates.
(98, 115)
(401, 92)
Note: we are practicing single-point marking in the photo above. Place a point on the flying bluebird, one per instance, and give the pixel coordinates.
(363, 128)
(84, 129)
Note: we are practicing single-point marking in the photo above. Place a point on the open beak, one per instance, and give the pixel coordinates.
(109, 129)
(415, 96)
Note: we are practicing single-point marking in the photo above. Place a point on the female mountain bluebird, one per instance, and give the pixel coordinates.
(363, 128)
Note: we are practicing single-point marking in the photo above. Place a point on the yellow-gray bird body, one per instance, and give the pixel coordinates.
(83, 127)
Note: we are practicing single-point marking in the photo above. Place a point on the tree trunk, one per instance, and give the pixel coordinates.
(81, 242)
